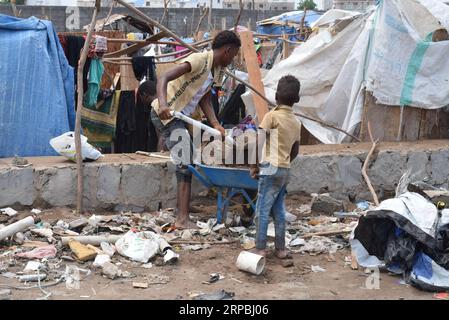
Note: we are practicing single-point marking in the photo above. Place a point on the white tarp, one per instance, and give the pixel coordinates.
(405, 66)
(331, 15)
(387, 50)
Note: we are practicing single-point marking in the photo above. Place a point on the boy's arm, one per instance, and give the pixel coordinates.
(161, 87)
(265, 125)
(209, 112)
(294, 152)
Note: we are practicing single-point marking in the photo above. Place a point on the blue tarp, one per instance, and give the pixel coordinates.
(265, 27)
(37, 90)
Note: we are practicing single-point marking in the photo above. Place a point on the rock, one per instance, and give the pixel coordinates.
(78, 224)
(142, 285)
(186, 235)
(290, 217)
(326, 204)
(101, 259)
(110, 270)
(287, 263)
(223, 232)
(82, 252)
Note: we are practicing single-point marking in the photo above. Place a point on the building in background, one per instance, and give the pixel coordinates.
(323, 5)
(355, 5)
(287, 5)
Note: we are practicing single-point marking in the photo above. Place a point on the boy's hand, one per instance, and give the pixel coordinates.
(164, 113)
(254, 171)
(218, 127)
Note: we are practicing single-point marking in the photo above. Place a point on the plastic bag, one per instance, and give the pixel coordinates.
(65, 146)
(138, 246)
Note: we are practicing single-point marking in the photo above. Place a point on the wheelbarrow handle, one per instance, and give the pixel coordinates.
(200, 177)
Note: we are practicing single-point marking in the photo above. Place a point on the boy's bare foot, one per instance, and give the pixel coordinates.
(282, 254)
(185, 224)
(259, 252)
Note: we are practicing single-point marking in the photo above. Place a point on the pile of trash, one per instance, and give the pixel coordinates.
(408, 235)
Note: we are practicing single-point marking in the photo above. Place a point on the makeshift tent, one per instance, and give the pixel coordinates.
(287, 23)
(36, 87)
(387, 51)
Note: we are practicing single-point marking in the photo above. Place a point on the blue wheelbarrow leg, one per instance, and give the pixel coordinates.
(200, 177)
(220, 205)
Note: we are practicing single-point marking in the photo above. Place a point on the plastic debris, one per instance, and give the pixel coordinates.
(317, 269)
(138, 246)
(32, 266)
(48, 251)
(32, 277)
(219, 295)
(36, 211)
(101, 259)
(297, 242)
(107, 248)
(8, 211)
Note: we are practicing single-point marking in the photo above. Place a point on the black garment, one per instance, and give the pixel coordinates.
(144, 67)
(145, 138)
(234, 109)
(74, 46)
(126, 123)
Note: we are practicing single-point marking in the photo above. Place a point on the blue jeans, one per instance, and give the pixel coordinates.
(272, 189)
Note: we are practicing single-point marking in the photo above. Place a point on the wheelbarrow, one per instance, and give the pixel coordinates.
(228, 182)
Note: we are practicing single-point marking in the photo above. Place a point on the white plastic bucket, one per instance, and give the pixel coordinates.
(250, 262)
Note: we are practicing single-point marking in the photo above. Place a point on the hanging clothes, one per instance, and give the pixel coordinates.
(73, 52)
(234, 110)
(100, 120)
(144, 67)
(95, 74)
(126, 123)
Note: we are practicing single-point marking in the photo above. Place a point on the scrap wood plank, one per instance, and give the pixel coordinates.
(136, 46)
(255, 77)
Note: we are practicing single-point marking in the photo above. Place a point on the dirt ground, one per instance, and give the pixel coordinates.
(186, 277)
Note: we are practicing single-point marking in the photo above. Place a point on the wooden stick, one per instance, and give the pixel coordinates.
(14, 8)
(203, 15)
(270, 104)
(166, 3)
(79, 156)
(114, 3)
(365, 165)
(326, 233)
(201, 242)
(153, 22)
(148, 154)
(237, 20)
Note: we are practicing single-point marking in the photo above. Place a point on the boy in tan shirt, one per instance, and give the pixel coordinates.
(280, 149)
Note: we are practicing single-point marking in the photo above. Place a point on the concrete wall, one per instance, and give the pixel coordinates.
(149, 184)
(62, 17)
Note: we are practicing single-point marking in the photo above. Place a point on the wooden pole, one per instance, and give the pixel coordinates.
(365, 166)
(237, 20)
(79, 157)
(154, 23)
(254, 75)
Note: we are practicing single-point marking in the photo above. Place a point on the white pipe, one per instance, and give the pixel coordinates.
(200, 125)
(93, 240)
(15, 227)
